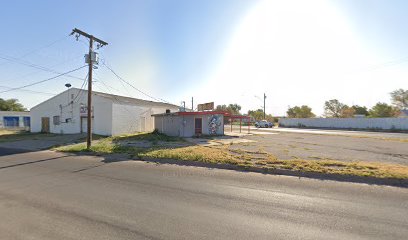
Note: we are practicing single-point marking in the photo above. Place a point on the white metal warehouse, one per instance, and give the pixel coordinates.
(66, 113)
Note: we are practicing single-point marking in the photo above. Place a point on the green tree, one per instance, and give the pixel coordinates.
(233, 109)
(256, 114)
(399, 98)
(347, 112)
(383, 110)
(300, 112)
(360, 110)
(11, 105)
(333, 108)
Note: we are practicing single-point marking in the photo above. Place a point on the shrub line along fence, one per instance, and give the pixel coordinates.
(347, 123)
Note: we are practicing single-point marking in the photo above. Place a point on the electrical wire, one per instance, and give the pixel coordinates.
(120, 78)
(45, 80)
(40, 48)
(84, 83)
(34, 72)
(125, 103)
(28, 64)
(30, 91)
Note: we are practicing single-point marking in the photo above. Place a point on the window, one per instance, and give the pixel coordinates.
(56, 120)
(26, 121)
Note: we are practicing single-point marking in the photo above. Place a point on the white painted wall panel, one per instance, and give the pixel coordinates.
(60, 106)
(347, 123)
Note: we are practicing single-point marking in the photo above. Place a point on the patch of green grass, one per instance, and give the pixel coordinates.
(151, 137)
(195, 153)
(107, 145)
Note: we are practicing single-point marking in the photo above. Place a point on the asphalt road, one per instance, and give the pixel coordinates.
(47, 195)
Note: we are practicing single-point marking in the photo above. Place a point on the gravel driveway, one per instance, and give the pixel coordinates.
(346, 148)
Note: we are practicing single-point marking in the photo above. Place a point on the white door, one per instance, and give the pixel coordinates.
(84, 125)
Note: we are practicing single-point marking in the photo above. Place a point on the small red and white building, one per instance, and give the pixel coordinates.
(189, 124)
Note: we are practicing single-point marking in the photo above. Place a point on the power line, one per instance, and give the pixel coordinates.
(40, 48)
(82, 88)
(120, 78)
(28, 64)
(29, 91)
(34, 72)
(45, 80)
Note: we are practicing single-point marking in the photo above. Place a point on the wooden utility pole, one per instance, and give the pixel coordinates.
(91, 59)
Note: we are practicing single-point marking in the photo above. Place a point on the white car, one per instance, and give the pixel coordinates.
(263, 124)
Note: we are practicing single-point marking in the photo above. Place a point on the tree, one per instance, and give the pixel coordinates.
(300, 112)
(360, 110)
(221, 108)
(399, 98)
(333, 108)
(347, 112)
(11, 105)
(233, 109)
(258, 115)
(383, 110)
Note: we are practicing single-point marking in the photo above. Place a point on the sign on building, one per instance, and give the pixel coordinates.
(83, 111)
(205, 106)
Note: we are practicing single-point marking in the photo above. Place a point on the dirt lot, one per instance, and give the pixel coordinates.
(313, 146)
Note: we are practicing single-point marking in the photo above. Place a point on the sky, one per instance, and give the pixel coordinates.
(223, 51)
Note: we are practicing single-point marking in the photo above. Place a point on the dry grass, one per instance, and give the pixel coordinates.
(372, 169)
(196, 153)
(242, 158)
(226, 154)
(18, 135)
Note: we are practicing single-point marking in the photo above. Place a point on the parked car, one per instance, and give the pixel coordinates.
(263, 124)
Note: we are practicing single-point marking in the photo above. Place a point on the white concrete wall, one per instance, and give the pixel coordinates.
(170, 125)
(347, 123)
(60, 106)
(111, 117)
(129, 118)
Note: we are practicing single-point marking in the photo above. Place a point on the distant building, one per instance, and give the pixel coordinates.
(66, 113)
(14, 119)
(188, 124)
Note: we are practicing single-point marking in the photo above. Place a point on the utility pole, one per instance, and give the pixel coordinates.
(192, 104)
(91, 59)
(264, 106)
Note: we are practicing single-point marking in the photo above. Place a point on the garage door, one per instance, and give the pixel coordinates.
(11, 122)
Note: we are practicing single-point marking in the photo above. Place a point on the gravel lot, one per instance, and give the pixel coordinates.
(313, 146)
